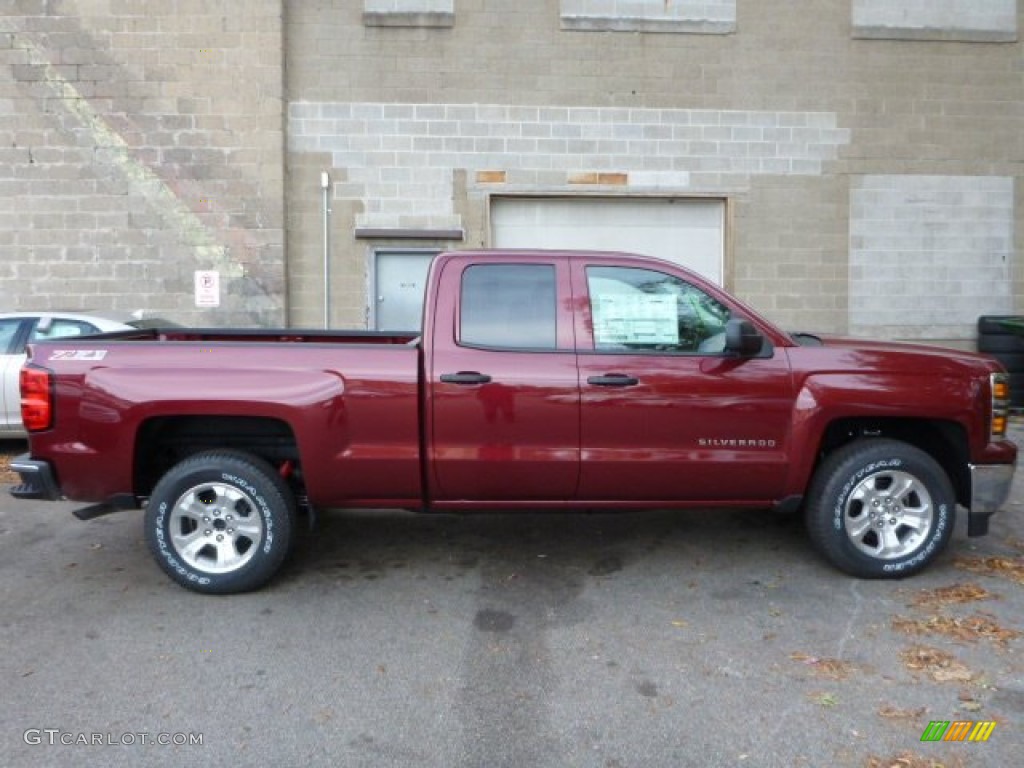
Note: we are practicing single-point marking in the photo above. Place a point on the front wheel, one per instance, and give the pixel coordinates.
(220, 522)
(880, 509)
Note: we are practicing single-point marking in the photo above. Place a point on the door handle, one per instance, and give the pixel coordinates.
(614, 380)
(465, 377)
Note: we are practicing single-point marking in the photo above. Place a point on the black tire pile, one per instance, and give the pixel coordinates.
(1007, 346)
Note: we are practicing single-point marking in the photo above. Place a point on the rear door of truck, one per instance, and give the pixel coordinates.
(502, 383)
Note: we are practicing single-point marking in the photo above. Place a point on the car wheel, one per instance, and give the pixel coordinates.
(880, 508)
(220, 522)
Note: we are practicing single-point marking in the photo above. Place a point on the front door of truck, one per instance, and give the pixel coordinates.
(666, 415)
(503, 387)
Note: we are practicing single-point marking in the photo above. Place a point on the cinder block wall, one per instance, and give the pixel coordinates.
(832, 97)
(141, 141)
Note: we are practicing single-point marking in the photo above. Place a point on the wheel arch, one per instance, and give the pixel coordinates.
(164, 441)
(944, 441)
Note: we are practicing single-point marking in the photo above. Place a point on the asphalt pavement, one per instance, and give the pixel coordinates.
(704, 638)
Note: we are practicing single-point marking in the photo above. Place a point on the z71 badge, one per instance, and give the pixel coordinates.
(78, 354)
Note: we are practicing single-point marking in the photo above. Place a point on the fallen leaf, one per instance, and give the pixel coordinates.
(969, 629)
(955, 594)
(826, 700)
(835, 669)
(679, 623)
(323, 716)
(910, 760)
(1007, 567)
(942, 666)
(894, 713)
(954, 673)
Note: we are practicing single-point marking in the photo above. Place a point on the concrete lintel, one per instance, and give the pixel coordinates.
(935, 35)
(434, 19)
(635, 24)
(399, 233)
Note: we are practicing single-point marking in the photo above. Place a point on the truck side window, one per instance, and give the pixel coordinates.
(643, 310)
(511, 306)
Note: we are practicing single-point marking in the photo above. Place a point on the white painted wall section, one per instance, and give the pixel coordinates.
(929, 254)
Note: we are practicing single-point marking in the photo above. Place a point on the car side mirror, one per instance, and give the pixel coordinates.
(742, 338)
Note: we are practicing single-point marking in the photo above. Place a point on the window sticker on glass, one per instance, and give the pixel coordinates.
(635, 318)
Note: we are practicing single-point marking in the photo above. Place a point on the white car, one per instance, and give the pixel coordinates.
(17, 329)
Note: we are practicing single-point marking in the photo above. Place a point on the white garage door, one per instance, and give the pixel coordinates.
(689, 232)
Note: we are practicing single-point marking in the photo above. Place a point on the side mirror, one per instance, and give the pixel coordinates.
(742, 338)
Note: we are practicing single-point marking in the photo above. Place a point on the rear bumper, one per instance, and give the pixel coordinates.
(37, 480)
(990, 488)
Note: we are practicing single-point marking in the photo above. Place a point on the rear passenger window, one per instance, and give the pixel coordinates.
(511, 306)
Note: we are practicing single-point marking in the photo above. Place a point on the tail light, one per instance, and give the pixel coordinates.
(36, 398)
(1000, 386)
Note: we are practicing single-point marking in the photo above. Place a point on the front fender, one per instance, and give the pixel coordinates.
(823, 399)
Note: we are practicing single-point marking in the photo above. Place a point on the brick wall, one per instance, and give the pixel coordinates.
(926, 252)
(399, 157)
(140, 142)
(783, 116)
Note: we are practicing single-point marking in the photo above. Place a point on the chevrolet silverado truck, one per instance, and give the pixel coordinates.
(540, 380)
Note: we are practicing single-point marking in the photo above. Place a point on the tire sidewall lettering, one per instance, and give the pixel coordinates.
(264, 508)
(167, 550)
(925, 552)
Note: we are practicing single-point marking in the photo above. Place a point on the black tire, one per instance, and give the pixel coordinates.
(220, 522)
(991, 325)
(867, 495)
(1001, 344)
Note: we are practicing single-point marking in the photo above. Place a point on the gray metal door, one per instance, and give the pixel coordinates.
(400, 280)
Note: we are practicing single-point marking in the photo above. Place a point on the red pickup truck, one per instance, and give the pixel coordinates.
(541, 380)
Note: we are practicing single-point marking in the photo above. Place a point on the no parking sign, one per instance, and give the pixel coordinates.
(207, 288)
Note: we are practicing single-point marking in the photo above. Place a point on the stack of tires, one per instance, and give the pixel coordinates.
(1006, 344)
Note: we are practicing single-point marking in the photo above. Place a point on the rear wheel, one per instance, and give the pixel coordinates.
(220, 522)
(880, 509)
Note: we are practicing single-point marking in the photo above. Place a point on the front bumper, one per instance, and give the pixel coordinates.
(990, 488)
(37, 480)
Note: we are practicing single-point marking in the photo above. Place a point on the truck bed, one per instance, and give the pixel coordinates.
(348, 398)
